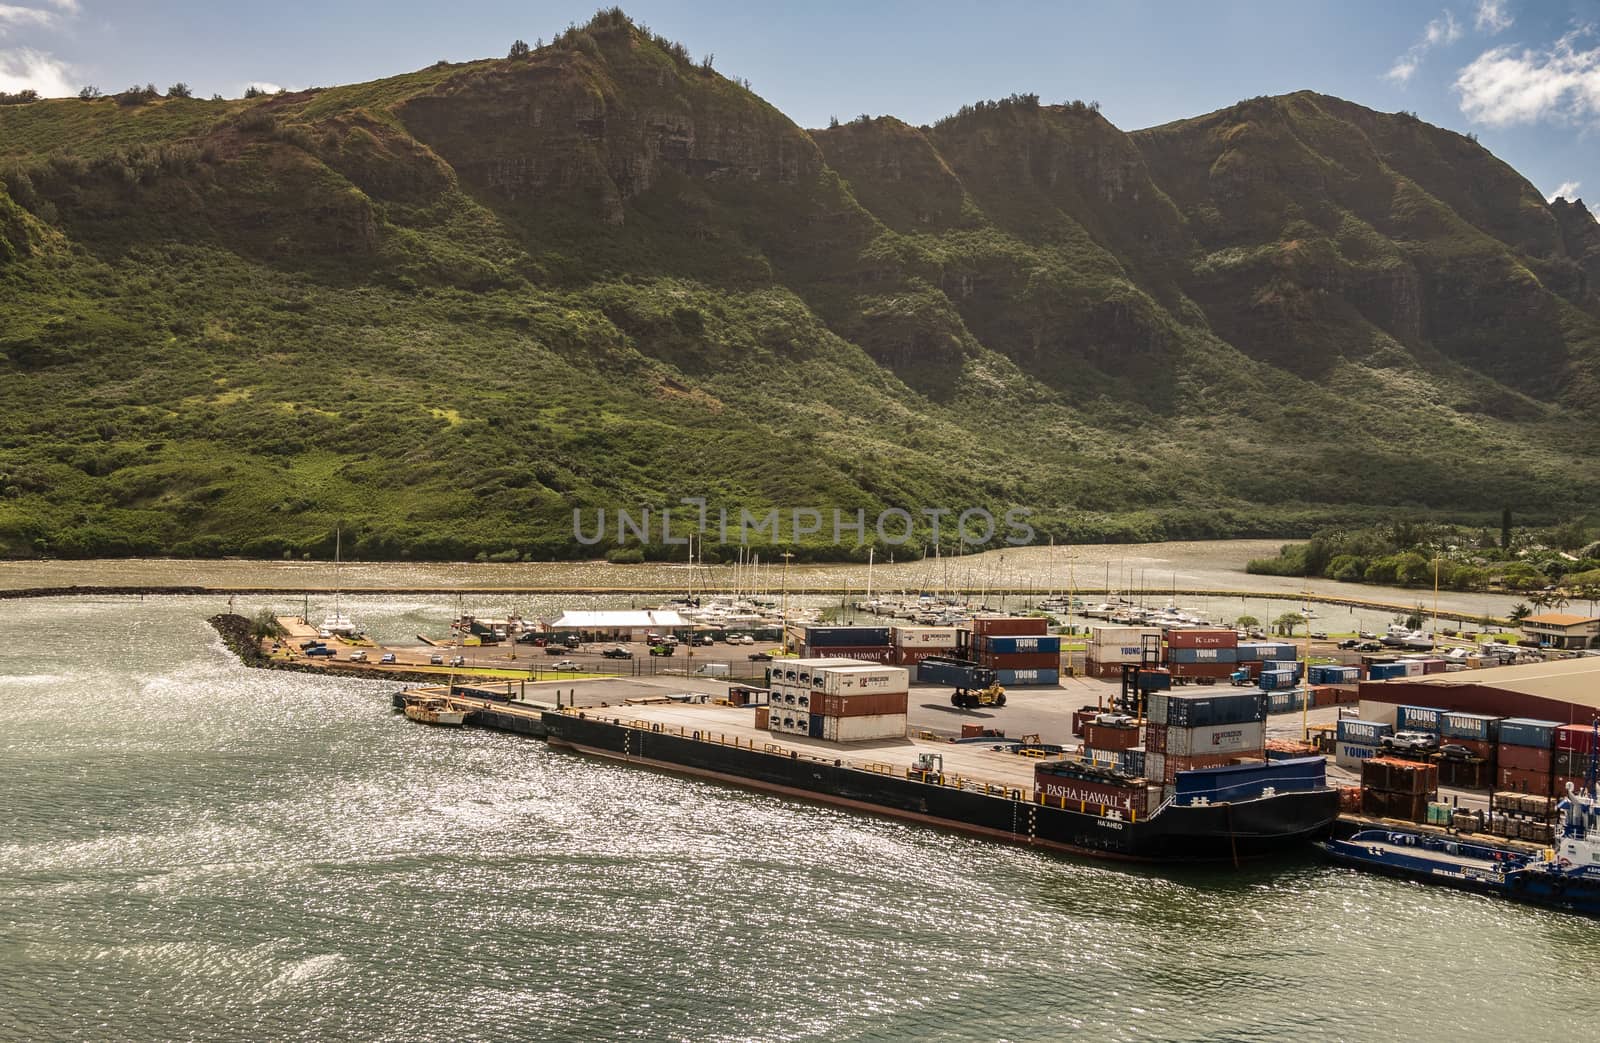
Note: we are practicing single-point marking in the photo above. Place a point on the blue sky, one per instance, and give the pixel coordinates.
(1524, 75)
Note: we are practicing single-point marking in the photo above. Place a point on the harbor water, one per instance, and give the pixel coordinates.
(194, 850)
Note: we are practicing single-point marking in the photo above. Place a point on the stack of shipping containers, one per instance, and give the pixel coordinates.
(867, 644)
(1206, 654)
(914, 644)
(1203, 731)
(1112, 647)
(1478, 733)
(1080, 787)
(1525, 756)
(1252, 654)
(1400, 789)
(1017, 648)
(1357, 741)
(1116, 745)
(839, 700)
(1575, 751)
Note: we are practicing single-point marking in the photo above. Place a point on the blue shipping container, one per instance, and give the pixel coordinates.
(1202, 655)
(1523, 731)
(1248, 781)
(1200, 711)
(1476, 726)
(1285, 702)
(1325, 673)
(846, 637)
(1418, 718)
(1013, 645)
(1154, 681)
(816, 725)
(1026, 677)
(1368, 732)
(1133, 761)
(954, 672)
(1271, 680)
(1386, 671)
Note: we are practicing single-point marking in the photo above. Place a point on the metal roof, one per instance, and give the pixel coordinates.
(1560, 619)
(1568, 680)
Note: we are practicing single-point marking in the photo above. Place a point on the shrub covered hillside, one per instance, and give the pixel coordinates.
(444, 309)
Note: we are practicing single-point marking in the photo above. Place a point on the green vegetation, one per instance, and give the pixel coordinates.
(1558, 565)
(445, 309)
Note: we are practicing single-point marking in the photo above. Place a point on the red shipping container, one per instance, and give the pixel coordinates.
(1088, 795)
(1155, 738)
(761, 717)
(1081, 717)
(1011, 626)
(1524, 758)
(1558, 785)
(1216, 671)
(1433, 666)
(1519, 781)
(1094, 669)
(865, 704)
(1579, 737)
(1572, 763)
(1202, 639)
(1174, 765)
(1020, 660)
(1105, 737)
(913, 656)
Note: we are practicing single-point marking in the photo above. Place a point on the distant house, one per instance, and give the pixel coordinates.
(629, 625)
(1562, 630)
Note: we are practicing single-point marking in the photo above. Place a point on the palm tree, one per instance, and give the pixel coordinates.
(1519, 612)
(1556, 600)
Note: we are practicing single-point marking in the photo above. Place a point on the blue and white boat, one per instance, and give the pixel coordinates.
(1565, 877)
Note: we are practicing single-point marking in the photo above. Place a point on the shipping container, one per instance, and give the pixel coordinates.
(1021, 660)
(859, 653)
(816, 726)
(1351, 729)
(1014, 645)
(1572, 763)
(1524, 758)
(1433, 666)
(1292, 701)
(846, 680)
(1250, 781)
(828, 638)
(953, 672)
(861, 704)
(1089, 795)
(1540, 783)
(1466, 774)
(864, 729)
(1025, 678)
(1276, 680)
(1009, 626)
(1228, 639)
(1350, 755)
(1237, 740)
(761, 717)
(1391, 775)
(1523, 731)
(1479, 748)
(1326, 673)
(1187, 711)
(1579, 737)
(1386, 671)
(1215, 671)
(1094, 668)
(910, 657)
(1418, 719)
(1108, 737)
(923, 637)
(1202, 655)
(1476, 726)
(1294, 666)
(1262, 651)
(1133, 761)
(1155, 680)
(1407, 807)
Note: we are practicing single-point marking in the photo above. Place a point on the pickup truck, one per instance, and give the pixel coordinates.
(321, 650)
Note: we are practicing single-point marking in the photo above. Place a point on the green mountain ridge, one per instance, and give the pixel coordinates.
(445, 309)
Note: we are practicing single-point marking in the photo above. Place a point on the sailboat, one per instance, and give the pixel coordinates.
(338, 624)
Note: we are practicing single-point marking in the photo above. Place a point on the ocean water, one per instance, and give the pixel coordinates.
(193, 850)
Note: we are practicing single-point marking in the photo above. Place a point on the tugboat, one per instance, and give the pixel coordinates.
(1567, 877)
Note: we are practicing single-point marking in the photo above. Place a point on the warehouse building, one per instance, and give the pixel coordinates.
(1567, 692)
(624, 625)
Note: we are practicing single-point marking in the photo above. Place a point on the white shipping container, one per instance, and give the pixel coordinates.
(924, 637)
(1115, 653)
(855, 680)
(1121, 635)
(1217, 739)
(862, 729)
(1351, 754)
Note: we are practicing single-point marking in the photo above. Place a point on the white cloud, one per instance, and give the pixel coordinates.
(69, 6)
(14, 15)
(1503, 86)
(27, 69)
(1568, 190)
(1492, 17)
(261, 85)
(1441, 31)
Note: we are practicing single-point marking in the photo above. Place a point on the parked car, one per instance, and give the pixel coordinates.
(1319, 635)
(705, 640)
(1350, 642)
(321, 650)
(459, 660)
(663, 649)
(306, 646)
(556, 650)
(1408, 741)
(1369, 646)
(566, 664)
(387, 657)
(617, 652)
(746, 639)
(1367, 635)
(1454, 752)
(358, 656)
(436, 659)
(761, 657)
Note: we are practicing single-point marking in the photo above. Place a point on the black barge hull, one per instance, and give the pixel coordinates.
(1217, 833)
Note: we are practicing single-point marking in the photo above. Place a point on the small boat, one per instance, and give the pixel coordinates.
(1567, 877)
(435, 710)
